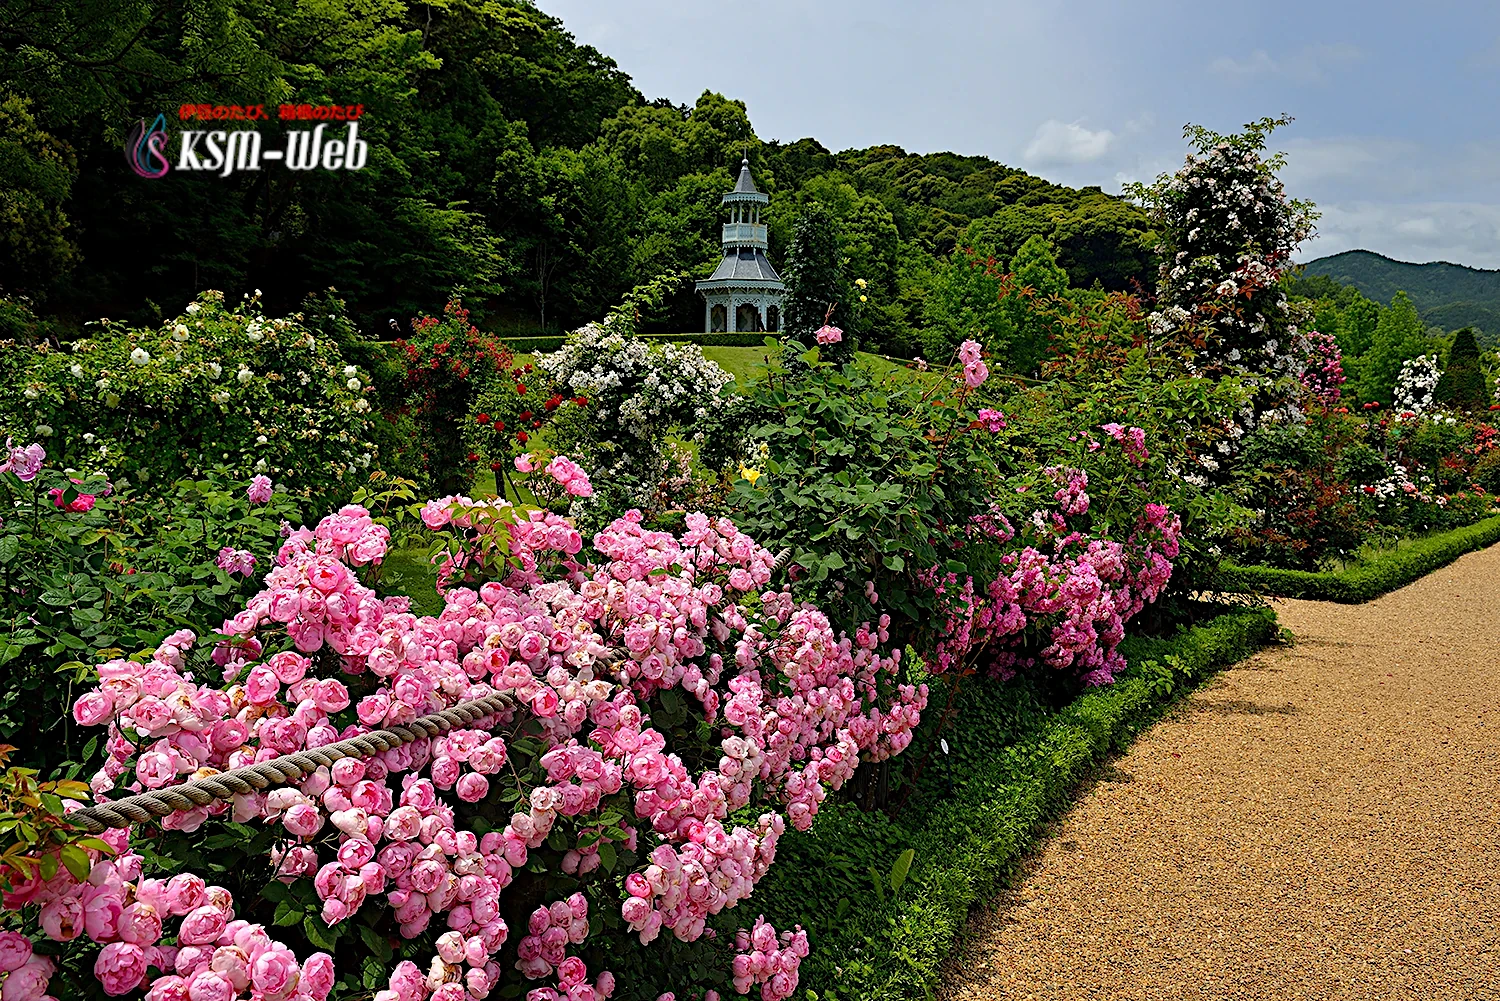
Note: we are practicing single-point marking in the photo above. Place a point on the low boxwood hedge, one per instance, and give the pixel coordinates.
(1367, 580)
(881, 920)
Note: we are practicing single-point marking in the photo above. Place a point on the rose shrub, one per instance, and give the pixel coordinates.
(729, 712)
(219, 385)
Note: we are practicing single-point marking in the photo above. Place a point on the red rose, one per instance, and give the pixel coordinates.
(496, 466)
(581, 401)
(520, 389)
(499, 425)
(473, 456)
(483, 418)
(526, 415)
(521, 437)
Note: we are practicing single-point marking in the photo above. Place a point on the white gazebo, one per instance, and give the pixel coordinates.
(744, 292)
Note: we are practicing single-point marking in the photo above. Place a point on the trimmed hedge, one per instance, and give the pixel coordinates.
(1367, 580)
(1010, 766)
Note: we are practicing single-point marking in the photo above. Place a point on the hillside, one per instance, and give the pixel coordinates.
(1446, 295)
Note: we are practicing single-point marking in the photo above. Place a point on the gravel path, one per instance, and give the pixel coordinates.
(1323, 821)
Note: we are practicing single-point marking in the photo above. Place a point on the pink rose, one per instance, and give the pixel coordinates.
(317, 976)
(120, 967)
(93, 708)
(275, 972)
(206, 985)
(473, 787)
(61, 919)
(303, 819)
(202, 926)
(140, 924)
(15, 951)
(259, 490)
(169, 988)
(29, 983)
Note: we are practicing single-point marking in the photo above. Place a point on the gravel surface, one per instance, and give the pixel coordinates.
(1322, 821)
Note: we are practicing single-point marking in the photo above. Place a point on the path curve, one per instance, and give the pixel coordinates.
(1322, 822)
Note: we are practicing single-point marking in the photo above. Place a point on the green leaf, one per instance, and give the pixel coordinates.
(287, 914)
(894, 562)
(376, 943)
(607, 856)
(318, 933)
(77, 861)
(10, 546)
(900, 868)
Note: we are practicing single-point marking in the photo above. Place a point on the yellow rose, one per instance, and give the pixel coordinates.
(750, 474)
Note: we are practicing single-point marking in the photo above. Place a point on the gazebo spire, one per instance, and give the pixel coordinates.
(744, 292)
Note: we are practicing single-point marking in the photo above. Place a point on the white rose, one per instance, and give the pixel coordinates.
(193, 307)
(111, 400)
(77, 371)
(31, 393)
(140, 356)
(350, 371)
(361, 404)
(43, 431)
(353, 385)
(260, 439)
(244, 375)
(180, 332)
(215, 369)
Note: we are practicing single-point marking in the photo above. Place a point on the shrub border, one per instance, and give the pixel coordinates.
(967, 848)
(1366, 581)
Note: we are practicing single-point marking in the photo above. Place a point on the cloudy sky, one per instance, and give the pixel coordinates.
(1397, 131)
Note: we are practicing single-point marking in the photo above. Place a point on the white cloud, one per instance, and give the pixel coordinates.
(1313, 64)
(1460, 232)
(1067, 143)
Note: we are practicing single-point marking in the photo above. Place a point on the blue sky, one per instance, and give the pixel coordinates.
(1397, 105)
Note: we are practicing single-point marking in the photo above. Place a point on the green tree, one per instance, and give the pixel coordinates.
(817, 285)
(1399, 335)
(1033, 268)
(36, 174)
(1462, 385)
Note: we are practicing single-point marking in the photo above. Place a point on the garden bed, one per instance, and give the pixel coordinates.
(1365, 581)
(1011, 764)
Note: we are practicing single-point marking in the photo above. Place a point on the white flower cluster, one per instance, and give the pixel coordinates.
(638, 392)
(1415, 384)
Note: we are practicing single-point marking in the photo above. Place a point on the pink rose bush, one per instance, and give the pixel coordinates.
(593, 646)
(1060, 596)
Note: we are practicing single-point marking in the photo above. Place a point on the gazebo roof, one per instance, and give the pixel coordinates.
(745, 189)
(745, 265)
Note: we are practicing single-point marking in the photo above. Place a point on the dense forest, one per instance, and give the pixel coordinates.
(506, 160)
(1446, 295)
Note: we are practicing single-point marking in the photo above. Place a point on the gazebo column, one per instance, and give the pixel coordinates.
(731, 322)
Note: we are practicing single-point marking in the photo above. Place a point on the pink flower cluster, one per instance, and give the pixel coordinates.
(992, 420)
(789, 707)
(80, 504)
(570, 476)
(1133, 439)
(1062, 601)
(1323, 372)
(24, 461)
(828, 334)
(975, 371)
(216, 958)
(232, 561)
(766, 960)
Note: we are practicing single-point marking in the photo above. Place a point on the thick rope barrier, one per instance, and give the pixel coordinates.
(149, 806)
(286, 768)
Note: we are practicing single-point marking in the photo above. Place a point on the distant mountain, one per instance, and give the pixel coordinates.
(1446, 295)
